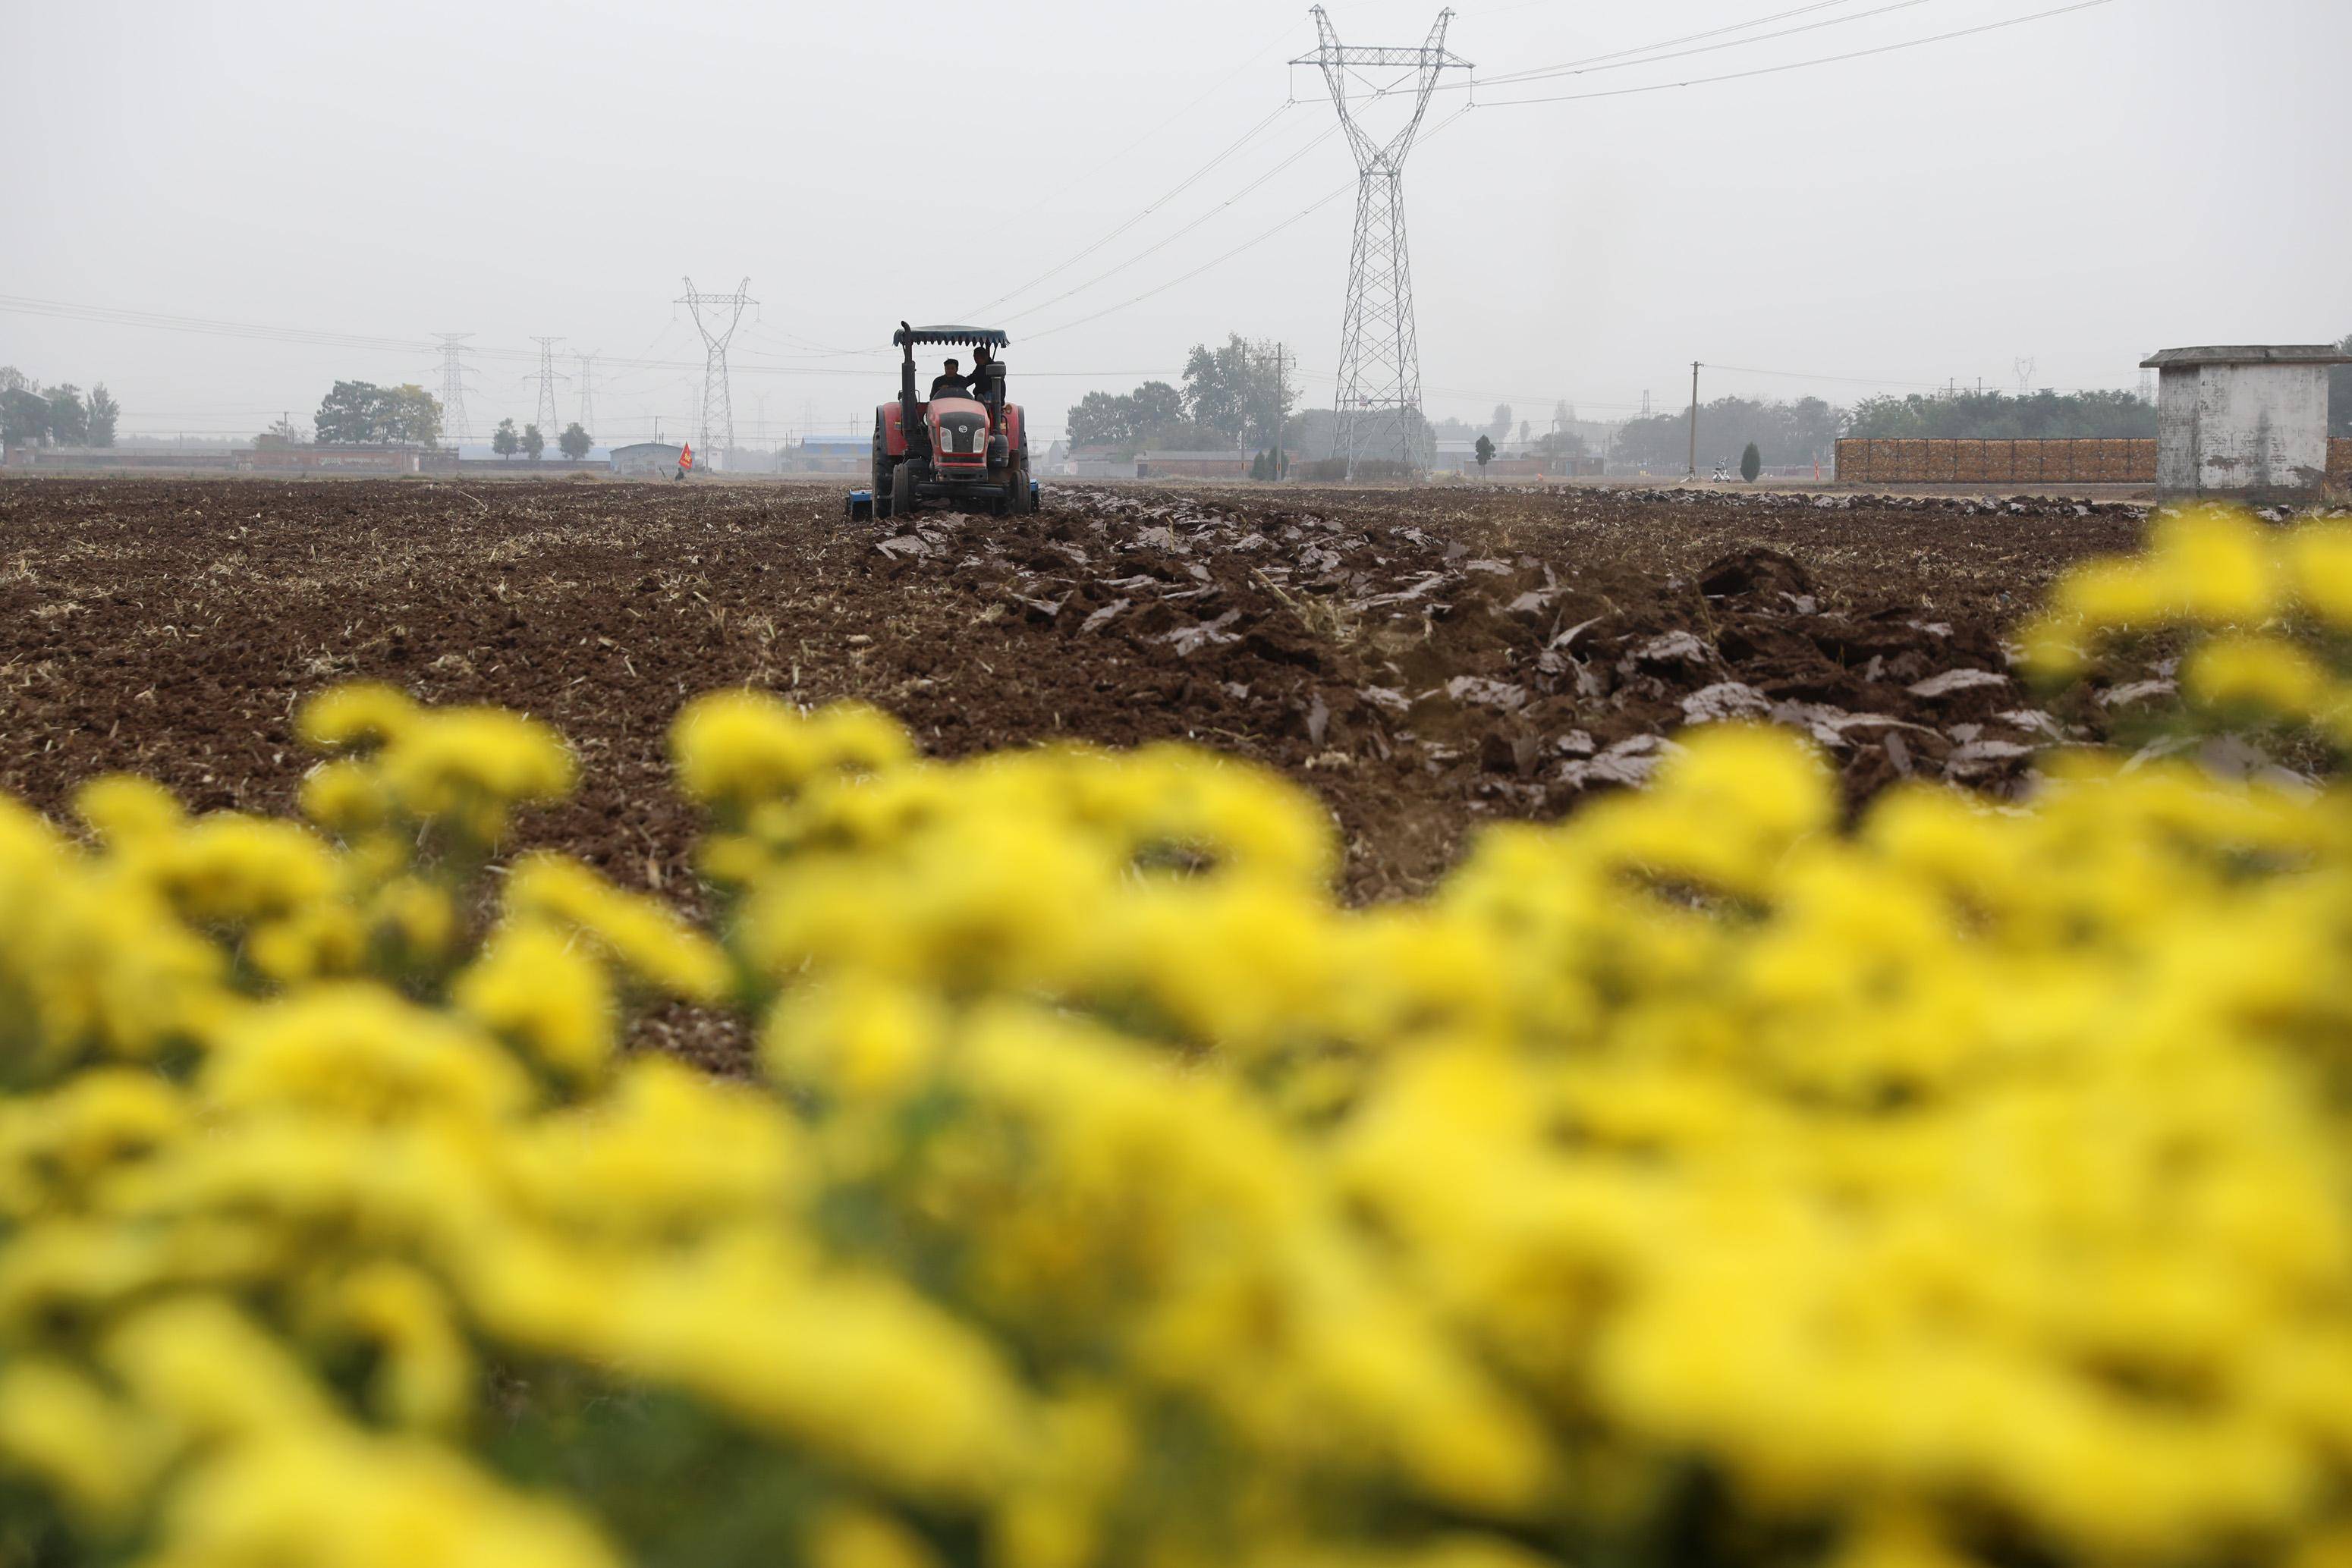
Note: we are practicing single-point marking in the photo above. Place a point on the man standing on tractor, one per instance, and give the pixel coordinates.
(952, 384)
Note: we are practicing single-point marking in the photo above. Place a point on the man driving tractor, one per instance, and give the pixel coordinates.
(950, 385)
(967, 445)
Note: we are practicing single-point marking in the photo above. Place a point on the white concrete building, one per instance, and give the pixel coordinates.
(647, 457)
(2246, 422)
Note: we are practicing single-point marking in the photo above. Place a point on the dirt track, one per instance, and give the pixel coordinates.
(1422, 658)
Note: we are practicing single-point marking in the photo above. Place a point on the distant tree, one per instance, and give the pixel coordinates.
(1153, 414)
(14, 380)
(575, 441)
(68, 418)
(503, 441)
(347, 414)
(1237, 390)
(1500, 425)
(24, 415)
(533, 442)
(409, 413)
(1096, 420)
(1751, 462)
(1999, 416)
(1564, 448)
(103, 413)
(1525, 433)
(1808, 427)
(2339, 393)
(1484, 449)
(1257, 466)
(362, 413)
(1153, 407)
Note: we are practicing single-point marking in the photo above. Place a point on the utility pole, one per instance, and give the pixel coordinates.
(1379, 355)
(452, 385)
(1281, 403)
(1270, 417)
(717, 429)
(1693, 471)
(546, 421)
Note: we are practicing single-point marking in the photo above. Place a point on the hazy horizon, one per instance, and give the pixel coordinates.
(2076, 191)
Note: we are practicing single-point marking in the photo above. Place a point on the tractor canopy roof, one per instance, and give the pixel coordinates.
(906, 335)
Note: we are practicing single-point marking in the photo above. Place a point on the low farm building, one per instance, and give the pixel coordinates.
(644, 457)
(835, 454)
(1093, 462)
(334, 457)
(126, 459)
(2245, 421)
(1192, 465)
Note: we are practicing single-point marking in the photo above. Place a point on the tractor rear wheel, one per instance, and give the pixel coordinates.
(902, 489)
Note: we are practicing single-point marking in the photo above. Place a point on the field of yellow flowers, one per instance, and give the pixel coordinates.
(1700, 1181)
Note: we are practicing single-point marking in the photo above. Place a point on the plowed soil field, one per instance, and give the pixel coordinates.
(1423, 658)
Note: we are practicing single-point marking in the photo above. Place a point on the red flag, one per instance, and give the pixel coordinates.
(685, 455)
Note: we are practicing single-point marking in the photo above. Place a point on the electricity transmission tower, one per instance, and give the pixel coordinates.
(453, 386)
(547, 425)
(716, 431)
(1379, 406)
(588, 392)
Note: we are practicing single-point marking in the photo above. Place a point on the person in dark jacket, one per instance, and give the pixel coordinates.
(950, 384)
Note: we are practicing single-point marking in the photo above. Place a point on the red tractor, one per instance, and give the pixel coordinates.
(965, 449)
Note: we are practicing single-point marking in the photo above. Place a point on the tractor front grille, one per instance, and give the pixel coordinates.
(963, 438)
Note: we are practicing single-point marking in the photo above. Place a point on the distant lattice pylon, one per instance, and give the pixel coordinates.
(715, 431)
(588, 394)
(1379, 402)
(546, 421)
(454, 423)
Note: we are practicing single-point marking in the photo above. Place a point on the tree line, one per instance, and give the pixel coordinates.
(1235, 397)
(1807, 429)
(34, 415)
(505, 441)
(363, 414)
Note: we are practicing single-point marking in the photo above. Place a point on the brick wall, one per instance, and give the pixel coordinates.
(2086, 462)
(2339, 459)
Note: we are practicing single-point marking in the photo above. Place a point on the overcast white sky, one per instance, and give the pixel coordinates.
(2080, 190)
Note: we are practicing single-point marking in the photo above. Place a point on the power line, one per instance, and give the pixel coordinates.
(1152, 206)
(1800, 64)
(1170, 239)
(1251, 244)
(1121, 156)
(1765, 21)
(1583, 68)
